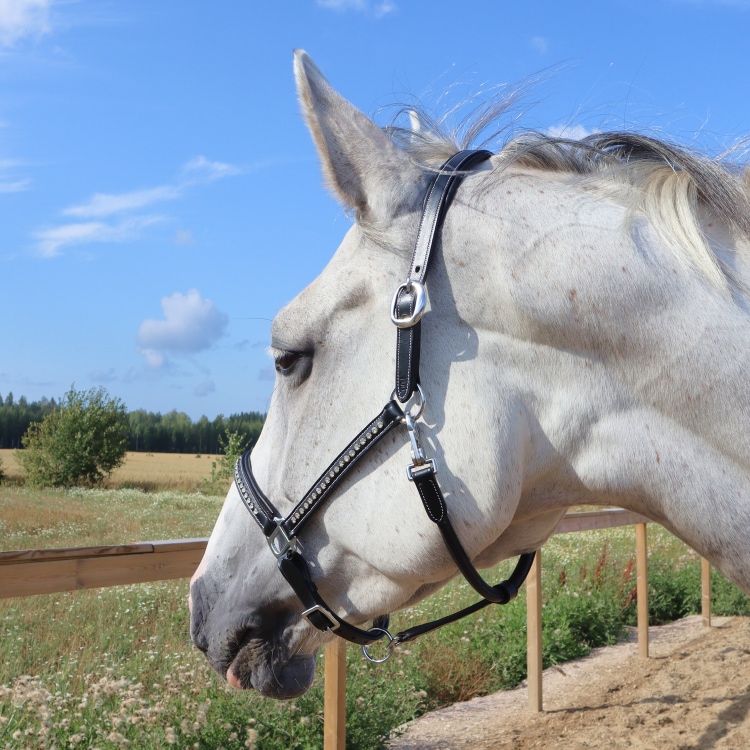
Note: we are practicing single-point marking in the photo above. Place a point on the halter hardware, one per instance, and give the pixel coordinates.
(280, 542)
(407, 308)
(420, 463)
(420, 302)
(323, 611)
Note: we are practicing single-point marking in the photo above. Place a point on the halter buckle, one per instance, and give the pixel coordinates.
(334, 623)
(280, 542)
(420, 302)
(417, 471)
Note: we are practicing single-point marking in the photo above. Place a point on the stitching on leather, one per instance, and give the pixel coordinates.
(403, 381)
(421, 226)
(449, 179)
(427, 504)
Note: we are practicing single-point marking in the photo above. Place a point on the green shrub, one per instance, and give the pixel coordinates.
(78, 444)
(726, 598)
(222, 471)
(673, 591)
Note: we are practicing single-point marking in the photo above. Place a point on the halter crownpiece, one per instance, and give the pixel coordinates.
(409, 303)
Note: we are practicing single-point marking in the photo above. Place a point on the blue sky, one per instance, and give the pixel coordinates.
(160, 198)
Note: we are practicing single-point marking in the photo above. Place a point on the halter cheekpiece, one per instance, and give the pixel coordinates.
(405, 407)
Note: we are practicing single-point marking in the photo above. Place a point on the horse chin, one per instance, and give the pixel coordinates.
(255, 668)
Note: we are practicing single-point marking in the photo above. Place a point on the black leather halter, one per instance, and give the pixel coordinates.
(281, 533)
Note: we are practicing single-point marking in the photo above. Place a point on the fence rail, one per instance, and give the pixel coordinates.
(50, 571)
(32, 572)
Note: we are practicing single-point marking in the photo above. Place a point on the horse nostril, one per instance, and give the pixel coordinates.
(198, 616)
(200, 640)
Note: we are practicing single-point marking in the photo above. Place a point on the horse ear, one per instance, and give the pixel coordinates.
(363, 167)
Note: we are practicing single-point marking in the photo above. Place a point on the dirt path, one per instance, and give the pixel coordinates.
(693, 693)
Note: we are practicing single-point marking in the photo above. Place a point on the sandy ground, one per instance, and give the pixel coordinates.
(693, 692)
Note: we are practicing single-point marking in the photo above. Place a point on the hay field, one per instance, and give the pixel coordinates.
(163, 471)
(147, 471)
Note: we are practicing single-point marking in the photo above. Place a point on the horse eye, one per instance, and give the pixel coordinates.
(285, 361)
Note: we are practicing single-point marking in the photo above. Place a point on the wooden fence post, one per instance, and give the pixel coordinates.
(641, 555)
(706, 592)
(534, 633)
(334, 709)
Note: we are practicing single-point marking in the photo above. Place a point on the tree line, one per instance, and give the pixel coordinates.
(152, 432)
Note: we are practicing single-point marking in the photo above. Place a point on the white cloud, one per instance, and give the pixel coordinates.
(571, 132)
(104, 376)
(10, 182)
(14, 186)
(105, 206)
(379, 8)
(201, 169)
(197, 171)
(154, 360)
(50, 242)
(204, 389)
(183, 238)
(190, 324)
(22, 18)
(540, 44)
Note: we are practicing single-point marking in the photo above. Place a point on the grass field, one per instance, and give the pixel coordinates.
(147, 471)
(114, 668)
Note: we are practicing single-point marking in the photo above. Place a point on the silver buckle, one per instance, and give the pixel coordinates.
(279, 542)
(419, 304)
(416, 471)
(323, 611)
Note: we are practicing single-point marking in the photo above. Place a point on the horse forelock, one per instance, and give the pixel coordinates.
(676, 188)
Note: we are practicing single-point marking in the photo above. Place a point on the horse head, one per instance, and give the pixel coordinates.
(540, 389)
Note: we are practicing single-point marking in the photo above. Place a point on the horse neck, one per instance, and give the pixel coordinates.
(632, 367)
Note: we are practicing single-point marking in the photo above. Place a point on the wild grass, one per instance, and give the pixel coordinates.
(37, 519)
(114, 668)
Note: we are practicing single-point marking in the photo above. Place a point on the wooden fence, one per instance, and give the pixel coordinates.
(31, 572)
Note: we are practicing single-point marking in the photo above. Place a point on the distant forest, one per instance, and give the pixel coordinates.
(150, 432)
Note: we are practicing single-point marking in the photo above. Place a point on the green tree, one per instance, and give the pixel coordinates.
(222, 471)
(80, 443)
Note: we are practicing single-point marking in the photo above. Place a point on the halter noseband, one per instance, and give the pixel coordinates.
(407, 308)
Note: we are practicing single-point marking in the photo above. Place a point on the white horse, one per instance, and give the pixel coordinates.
(586, 340)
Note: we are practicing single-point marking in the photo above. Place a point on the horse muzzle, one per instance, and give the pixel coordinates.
(271, 654)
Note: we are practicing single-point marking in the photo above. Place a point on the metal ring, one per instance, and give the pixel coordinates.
(420, 302)
(388, 654)
(420, 404)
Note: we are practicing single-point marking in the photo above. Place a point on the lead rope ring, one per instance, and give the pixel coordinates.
(388, 653)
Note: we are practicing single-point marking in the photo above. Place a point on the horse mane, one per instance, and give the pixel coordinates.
(679, 190)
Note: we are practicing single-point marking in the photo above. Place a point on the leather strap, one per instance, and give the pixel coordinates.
(408, 344)
(265, 512)
(436, 203)
(511, 587)
(434, 504)
(294, 568)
